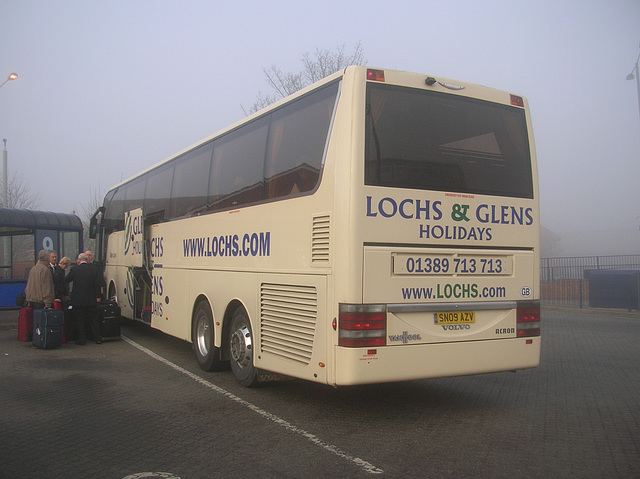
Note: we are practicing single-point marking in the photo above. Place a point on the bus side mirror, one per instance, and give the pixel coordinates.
(93, 223)
(93, 229)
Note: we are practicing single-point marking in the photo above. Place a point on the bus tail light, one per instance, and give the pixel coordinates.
(517, 101)
(528, 319)
(362, 325)
(375, 75)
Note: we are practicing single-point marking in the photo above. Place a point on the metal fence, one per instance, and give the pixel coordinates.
(563, 280)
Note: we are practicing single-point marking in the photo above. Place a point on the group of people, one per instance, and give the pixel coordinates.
(48, 282)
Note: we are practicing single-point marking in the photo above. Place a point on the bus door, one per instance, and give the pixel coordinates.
(137, 262)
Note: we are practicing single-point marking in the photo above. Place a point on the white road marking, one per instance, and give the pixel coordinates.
(368, 467)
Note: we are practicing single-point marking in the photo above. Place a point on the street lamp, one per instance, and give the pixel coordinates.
(630, 76)
(12, 76)
(5, 189)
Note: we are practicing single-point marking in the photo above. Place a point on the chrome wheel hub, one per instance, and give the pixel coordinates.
(241, 347)
(203, 336)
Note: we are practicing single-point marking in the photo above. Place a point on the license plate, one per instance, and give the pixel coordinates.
(453, 265)
(454, 317)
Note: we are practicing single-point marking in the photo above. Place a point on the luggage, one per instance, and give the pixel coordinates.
(109, 320)
(25, 324)
(21, 299)
(47, 328)
(57, 304)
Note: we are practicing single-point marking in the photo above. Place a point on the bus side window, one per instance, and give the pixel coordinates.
(156, 198)
(297, 138)
(237, 167)
(191, 182)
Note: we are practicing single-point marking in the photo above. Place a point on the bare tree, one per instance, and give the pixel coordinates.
(16, 250)
(19, 194)
(316, 66)
(85, 213)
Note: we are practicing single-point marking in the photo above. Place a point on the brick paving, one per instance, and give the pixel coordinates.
(110, 411)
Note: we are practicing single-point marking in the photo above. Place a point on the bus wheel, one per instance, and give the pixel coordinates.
(202, 334)
(241, 349)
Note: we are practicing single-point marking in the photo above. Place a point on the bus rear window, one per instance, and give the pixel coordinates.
(436, 141)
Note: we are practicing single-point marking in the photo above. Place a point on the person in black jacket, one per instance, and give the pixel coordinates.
(85, 296)
(61, 289)
(99, 271)
(53, 261)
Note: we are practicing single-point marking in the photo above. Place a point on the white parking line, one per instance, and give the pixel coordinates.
(368, 467)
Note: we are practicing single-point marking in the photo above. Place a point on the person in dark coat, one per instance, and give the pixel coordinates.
(85, 296)
(61, 288)
(53, 261)
(99, 271)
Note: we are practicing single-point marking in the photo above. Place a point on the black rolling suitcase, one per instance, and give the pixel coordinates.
(47, 328)
(109, 320)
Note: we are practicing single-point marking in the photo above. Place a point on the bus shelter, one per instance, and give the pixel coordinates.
(23, 233)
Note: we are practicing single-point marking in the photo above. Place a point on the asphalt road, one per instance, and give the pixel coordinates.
(140, 407)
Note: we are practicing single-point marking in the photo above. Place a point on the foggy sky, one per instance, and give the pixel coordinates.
(106, 89)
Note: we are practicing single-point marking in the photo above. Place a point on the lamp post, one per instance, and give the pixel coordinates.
(6, 250)
(4, 175)
(12, 76)
(631, 76)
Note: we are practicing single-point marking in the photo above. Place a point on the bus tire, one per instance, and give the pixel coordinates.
(241, 349)
(202, 336)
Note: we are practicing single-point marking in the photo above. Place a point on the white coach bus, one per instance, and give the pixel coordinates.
(376, 226)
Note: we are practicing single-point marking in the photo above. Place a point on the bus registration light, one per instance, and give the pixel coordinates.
(362, 325)
(528, 319)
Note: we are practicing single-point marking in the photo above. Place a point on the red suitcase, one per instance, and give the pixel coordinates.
(25, 324)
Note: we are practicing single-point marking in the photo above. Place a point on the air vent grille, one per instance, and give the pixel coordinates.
(320, 240)
(288, 317)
